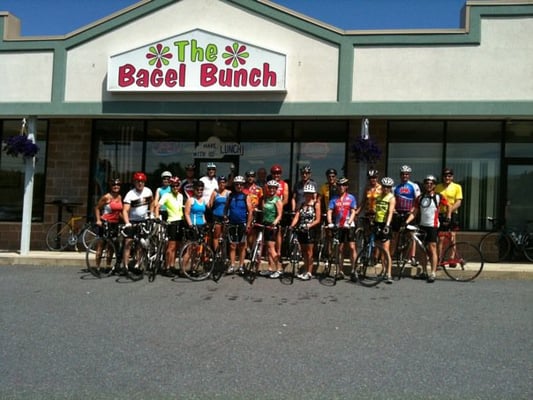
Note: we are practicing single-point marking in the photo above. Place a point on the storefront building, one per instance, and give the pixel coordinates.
(248, 84)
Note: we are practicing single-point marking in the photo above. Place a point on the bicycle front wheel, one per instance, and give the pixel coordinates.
(58, 235)
(101, 257)
(495, 247)
(462, 262)
(197, 261)
(528, 246)
(88, 235)
(370, 267)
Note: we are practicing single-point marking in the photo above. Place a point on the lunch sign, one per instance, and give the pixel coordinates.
(197, 61)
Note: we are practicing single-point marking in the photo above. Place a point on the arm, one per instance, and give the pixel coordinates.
(126, 213)
(279, 212)
(318, 215)
(101, 203)
(390, 211)
(188, 204)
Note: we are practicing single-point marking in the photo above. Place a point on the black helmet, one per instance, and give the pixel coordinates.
(331, 171)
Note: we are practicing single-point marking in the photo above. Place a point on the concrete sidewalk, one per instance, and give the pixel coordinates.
(511, 270)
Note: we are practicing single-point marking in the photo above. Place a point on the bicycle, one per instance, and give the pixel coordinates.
(105, 248)
(372, 261)
(500, 243)
(156, 250)
(402, 253)
(62, 234)
(138, 263)
(252, 267)
(460, 261)
(334, 261)
(221, 261)
(196, 256)
(294, 256)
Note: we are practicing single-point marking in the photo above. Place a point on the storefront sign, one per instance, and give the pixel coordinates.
(197, 61)
(214, 148)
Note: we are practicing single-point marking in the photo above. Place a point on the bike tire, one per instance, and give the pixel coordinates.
(250, 271)
(200, 262)
(462, 262)
(495, 247)
(155, 257)
(58, 235)
(101, 257)
(219, 266)
(528, 246)
(294, 263)
(331, 270)
(137, 264)
(89, 234)
(370, 268)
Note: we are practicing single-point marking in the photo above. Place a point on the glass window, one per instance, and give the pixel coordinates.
(519, 139)
(12, 170)
(169, 147)
(119, 151)
(473, 152)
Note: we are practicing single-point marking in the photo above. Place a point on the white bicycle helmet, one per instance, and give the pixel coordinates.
(406, 168)
(239, 179)
(166, 174)
(211, 165)
(273, 183)
(309, 189)
(430, 178)
(386, 181)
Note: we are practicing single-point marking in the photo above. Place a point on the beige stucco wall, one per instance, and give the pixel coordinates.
(498, 69)
(312, 66)
(26, 77)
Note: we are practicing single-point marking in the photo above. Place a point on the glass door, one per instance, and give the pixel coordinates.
(518, 204)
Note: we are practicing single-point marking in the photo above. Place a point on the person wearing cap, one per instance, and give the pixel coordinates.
(173, 203)
(427, 206)
(238, 210)
(453, 192)
(217, 204)
(255, 196)
(341, 214)
(282, 192)
(137, 203)
(186, 188)
(298, 189)
(164, 188)
(406, 193)
(383, 214)
(306, 219)
(272, 207)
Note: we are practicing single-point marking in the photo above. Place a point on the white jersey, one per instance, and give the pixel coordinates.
(139, 203)
(210, 185)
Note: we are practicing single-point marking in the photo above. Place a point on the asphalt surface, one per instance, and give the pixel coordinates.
(67, 335)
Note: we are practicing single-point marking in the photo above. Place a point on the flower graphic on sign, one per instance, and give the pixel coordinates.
(159, 55)
(235, 55)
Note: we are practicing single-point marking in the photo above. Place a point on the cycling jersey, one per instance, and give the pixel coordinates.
(197, 214)
(452, 193)
(255, 194)
(112, 210)
(405, 194)
(382, 207)
(162, 191)
(342, 206)
(237, 208)
(174, 206)
(428, 206)
(371, 195)
(219, 204)
(139, 203)
(270, 211)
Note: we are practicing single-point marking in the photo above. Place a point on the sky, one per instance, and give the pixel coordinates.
(59, 17)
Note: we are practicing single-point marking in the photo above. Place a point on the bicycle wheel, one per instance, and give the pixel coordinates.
(331, 269)
(250, 271)
(220, 263)
(58, 235)
(88, 235)
(528, 246)
(370, 268)
(294, 263)
(101, 257)
(155, 257)
(200, 261)
(495, 247)
(462, 262)
(137, 263)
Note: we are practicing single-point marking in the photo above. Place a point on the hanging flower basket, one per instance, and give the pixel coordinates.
(366, 150)
(20, 145)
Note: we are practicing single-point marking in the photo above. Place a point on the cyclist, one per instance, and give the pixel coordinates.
(342, 213)
(255, 194)
(261, 177)
(307, 217)
(109, 208)
(406, 193)
(186, 185)
(238, 210)
(453, 192)
(298, 190)
(427, 206)
(372, 191)
(217, 204)
(196, 206)
(329, 188)
(210, 181)
(164, 188)
(272, 213)
(173, 203)
(282, 192)
(136, 209)
(384, 212)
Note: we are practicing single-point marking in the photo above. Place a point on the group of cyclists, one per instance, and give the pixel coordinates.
(192, 205)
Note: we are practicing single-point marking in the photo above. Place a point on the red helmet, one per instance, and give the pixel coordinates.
(275, 168)
(139, 176)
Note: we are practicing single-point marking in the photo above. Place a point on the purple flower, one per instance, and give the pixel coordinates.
(365, 150)
(20, 145)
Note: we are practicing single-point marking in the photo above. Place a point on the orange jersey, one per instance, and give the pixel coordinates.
(255, 194)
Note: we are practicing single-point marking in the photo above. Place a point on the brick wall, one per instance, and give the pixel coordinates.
(67, 177)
